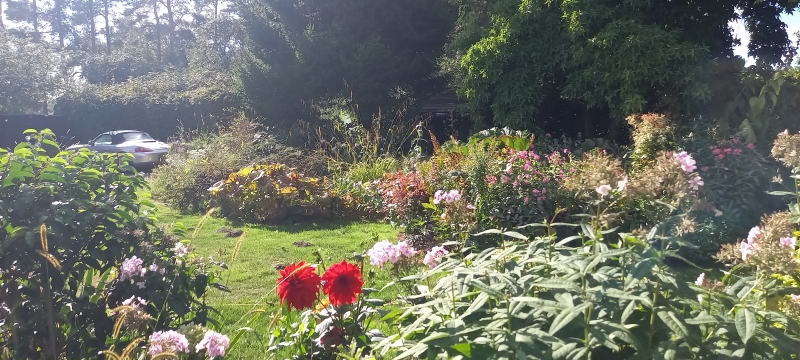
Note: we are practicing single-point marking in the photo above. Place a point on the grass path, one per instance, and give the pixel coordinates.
(251, 276)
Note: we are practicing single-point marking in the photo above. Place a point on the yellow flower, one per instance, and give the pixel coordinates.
(322, 305)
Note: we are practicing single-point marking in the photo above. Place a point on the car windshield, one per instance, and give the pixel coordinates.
(133, 136)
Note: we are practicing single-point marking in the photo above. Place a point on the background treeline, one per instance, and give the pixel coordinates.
(560, 67)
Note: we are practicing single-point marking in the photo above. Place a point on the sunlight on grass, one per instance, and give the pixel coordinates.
(251, 277)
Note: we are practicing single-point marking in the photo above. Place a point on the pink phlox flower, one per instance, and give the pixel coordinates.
(438, 196)
(130, 268)
(433, 256)
(181, 250)
(721, 156)
(696, 183)
(153, 267)
(728, 151)
(167, 341)
(717, 151)
(735, 140)
(622, 183)
(214, 344)
(701, 280)
(737, 151)
(504, 179)
(788, 241)
(526, 200)
(603, 189)
(687, 162)
(751, 146)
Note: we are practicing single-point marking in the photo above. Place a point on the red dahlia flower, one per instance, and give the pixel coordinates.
(343, 281)
(298, 286)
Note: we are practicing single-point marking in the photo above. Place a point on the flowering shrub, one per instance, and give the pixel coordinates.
(403, 194)
(614, 299)
(522, 188)
(336, 324)
(269, 193)
(81, 253)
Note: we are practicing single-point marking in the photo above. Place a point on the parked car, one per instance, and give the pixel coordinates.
(147, 152)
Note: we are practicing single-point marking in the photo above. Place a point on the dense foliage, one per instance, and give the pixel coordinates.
(198, 159)
(269, 194)
(75, 235)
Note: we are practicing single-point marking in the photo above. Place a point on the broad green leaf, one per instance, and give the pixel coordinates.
(674, 322)
(745, 324)
(756, 104)
(780, 193)
(479, 301)
(565, 317)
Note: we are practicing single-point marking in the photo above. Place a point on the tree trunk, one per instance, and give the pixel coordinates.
(157, 31)
(171, 23)
(35, 10)
(92, 29)
(108, 27)
(59, 23)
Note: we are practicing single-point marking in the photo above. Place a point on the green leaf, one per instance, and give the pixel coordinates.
(674, 322)
(745, 324)
(463, 349)
(479, 301)
(756, 104)
(780, 193)
(565, 317)
(486, 288)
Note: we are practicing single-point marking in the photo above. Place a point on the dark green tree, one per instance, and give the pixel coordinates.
(381, 50)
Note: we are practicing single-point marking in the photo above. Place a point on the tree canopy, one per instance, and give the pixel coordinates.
(628, 56)
(380, 50)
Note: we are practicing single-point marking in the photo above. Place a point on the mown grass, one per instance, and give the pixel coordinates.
(252, 274)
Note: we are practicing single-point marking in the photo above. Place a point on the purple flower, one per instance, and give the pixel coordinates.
(433, 256)
(700, 280)
(153, 267)
(404, 249)
(385, 251)
(503, 179)
(751, 146)
(130, 268)
(696, 183)
(788, 241)
(167, 341)
(603, 189)
(214, 344)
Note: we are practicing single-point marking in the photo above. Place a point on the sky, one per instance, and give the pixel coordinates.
(792, 26)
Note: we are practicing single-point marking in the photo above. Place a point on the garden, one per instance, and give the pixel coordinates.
(392, 244)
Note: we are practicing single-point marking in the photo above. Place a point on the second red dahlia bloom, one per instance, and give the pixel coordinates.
(298, 286)
(343, 281)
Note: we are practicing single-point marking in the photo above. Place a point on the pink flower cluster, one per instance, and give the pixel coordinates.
(749, 247)
(433, 256)
(214, 344)
(167, 341)
(447, 197)
(701, 280)
(721, 153)
(788, 241)
(130, 268)
(385, 251)
(181, 250)
(687, 162)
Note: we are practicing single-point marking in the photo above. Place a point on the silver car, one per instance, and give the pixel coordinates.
(147, 152)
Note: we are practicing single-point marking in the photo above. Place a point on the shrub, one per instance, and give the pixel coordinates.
(268, 194)
(197, 161)
(589, 296)
(68, 223)
(404, 194)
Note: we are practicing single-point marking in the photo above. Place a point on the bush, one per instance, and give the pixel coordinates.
(589, 296)
(69, 224)
(269, 194)
(197, 161)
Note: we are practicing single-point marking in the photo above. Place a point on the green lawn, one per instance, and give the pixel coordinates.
(252, 274)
